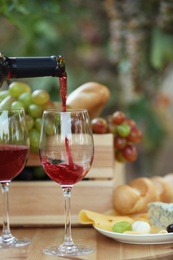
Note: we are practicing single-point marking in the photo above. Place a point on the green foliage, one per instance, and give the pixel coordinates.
(162, 46)
(34, 22)
(43, 28)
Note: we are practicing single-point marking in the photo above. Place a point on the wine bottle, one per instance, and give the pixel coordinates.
(27, 67)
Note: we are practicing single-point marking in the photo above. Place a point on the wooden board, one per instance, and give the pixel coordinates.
(105, 248)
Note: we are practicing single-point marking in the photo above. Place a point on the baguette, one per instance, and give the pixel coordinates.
(91, 96)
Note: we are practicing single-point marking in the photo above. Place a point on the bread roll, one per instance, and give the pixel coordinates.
(134, 197)
(169, 179)
(91, 96)
(163, 189)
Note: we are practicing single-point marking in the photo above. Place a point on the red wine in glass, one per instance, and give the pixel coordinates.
(77, 172)
(66, 154)
(12, 161)
(63, 173)
(14, 149)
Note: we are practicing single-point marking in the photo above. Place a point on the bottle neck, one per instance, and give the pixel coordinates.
(27, 67)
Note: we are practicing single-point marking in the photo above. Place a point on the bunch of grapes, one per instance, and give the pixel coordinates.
(126, 134)
(18, 95)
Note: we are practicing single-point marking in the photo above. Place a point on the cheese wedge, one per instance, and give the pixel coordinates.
(160, 214)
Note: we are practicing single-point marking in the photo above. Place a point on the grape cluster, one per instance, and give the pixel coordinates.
(18, 95)
(126, 134)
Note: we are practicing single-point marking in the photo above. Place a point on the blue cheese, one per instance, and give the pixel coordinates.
(160, 214)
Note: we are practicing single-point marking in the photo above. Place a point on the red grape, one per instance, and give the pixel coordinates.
(99, 125)
(119, 142)
(125, 133)
(130, 122)
(118, 117)
(135, 135)
(130, 153)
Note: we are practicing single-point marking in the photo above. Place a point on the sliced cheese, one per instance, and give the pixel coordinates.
(101, 221)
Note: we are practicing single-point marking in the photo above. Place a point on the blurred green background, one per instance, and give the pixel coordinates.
(126, 45)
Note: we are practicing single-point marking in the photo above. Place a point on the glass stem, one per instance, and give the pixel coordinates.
(67, 199)
(6, 234)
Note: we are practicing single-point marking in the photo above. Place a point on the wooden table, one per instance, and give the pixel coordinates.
(105, 248)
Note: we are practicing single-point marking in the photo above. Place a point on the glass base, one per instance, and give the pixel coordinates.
(68, 250)
(14, 242)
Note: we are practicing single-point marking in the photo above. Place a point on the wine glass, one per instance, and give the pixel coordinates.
(14, 149)
(66, 152)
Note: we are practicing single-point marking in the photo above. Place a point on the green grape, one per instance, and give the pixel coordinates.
(49, 127)
(25, 98)
(123, 130)
(17, 104)
(35, 111)
(40, 97)
(34, 136)
(37, 123)
(17, 88)
(122, 226)
(6, 102)
(3, 94)
(49, 105)
(119, 157)
(29, 122)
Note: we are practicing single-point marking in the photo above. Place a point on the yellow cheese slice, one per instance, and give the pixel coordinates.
(102, 221)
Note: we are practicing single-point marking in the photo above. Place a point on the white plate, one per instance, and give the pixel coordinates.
(138, 239)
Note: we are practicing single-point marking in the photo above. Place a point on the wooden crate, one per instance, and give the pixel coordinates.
(41, 203)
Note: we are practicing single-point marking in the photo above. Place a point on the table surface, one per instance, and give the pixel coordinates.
(105, 248)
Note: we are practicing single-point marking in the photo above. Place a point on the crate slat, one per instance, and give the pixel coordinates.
(42, 203)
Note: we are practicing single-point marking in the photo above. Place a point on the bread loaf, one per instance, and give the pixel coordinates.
(134, 197)
(169, 179)
(163, 188)
(91, 96)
